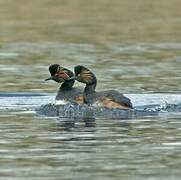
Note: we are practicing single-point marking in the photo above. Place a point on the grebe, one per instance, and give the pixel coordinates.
(66, 92)
(109, 99)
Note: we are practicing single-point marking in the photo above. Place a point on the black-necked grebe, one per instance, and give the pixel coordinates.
(109, 99)
(66, 91)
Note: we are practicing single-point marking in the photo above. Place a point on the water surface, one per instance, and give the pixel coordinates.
(134, 47)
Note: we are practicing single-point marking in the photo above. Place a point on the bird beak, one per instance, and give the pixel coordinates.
(72, 78)
(50, 78)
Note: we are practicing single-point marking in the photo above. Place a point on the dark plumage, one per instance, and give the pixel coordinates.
(109, 99)
(66, 91)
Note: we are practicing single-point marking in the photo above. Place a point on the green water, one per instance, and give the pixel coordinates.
(134, 47)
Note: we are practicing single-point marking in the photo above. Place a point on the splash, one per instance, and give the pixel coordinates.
(84, 111)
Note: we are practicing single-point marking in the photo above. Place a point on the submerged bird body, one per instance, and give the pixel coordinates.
(66, 92)
(109, 98)
(70, 95)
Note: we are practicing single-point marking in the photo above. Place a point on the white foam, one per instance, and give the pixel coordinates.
(60, 102)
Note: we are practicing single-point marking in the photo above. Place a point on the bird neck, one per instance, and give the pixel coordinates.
(89, 93)
(90, 88)
(67, 85)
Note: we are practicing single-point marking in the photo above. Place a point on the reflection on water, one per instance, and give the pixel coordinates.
(132, 47)
(105, 148)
